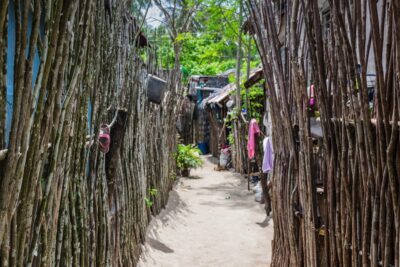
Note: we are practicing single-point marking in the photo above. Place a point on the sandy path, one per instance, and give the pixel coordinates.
(209, 221)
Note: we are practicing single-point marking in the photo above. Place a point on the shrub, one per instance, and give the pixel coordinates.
(188, 157)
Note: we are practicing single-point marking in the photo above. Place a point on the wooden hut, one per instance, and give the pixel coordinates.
(199, 89)
(217, 111)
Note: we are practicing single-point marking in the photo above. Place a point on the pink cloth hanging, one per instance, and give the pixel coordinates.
(254, 130)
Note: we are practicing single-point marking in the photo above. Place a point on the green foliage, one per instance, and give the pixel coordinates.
(256, 107)
(256, 102)
(152, 193)
(138, 8)
(210, 47)
(149, 203)
(188, 157)
(231, 138)
(232, 115)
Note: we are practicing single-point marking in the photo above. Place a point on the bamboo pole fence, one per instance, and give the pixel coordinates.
(353, 219)
(62, 201)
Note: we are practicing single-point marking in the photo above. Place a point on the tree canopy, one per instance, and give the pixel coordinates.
(209, 46)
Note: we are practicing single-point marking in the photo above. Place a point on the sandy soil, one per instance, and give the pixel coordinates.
(210, 220)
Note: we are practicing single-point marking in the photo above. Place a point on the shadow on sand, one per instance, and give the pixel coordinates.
(155, 244)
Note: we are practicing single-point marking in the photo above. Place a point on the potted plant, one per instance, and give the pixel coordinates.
(187, 157)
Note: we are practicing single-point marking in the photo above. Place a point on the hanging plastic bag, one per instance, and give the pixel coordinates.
(258, 192)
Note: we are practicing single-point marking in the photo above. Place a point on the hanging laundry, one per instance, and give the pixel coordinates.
(254, 131)
(268, 160)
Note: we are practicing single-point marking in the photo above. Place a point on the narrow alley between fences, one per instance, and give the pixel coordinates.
(201, 133)
(211, 219)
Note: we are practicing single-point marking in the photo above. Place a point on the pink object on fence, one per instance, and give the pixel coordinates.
(104, 138)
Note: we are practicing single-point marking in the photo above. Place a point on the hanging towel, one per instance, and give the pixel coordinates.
(268, 160)
(254, 130)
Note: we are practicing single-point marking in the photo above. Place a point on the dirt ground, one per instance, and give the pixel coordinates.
(210, 220)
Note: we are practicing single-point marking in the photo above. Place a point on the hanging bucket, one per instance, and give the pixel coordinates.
(155, 89)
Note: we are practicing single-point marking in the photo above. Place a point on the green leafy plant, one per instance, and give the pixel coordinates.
(210, 47)
(149, 200)
(188, 157)
(232, 115)
(256, 101)
(231, 139)
(153, 192)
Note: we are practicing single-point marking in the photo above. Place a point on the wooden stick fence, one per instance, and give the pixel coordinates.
(62, 202)
(333, 45)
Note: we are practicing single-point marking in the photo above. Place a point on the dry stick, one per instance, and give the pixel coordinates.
(360, 132)
(10, 186)
(25, 118)
(44, 205)
(3, 71)
(274, 108)
(393, 181)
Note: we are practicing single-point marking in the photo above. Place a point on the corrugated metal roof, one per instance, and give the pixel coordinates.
(227, 73)
(222, 94)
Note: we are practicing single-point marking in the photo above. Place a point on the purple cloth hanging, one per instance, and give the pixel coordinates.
(268, 160)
